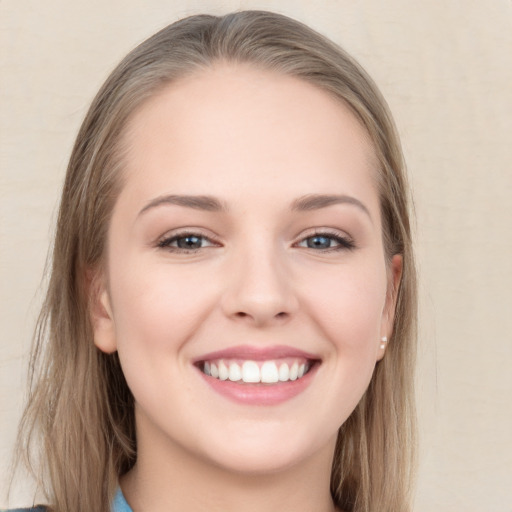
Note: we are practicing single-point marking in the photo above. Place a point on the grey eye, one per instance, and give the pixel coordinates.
(189, 242)
(186, 242)
(319, 242)
(326, 242)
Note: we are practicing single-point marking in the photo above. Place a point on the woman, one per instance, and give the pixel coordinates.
(230, 317)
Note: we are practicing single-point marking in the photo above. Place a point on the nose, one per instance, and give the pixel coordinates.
(259, 291)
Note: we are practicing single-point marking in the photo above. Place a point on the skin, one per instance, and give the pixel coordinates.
(257, 142)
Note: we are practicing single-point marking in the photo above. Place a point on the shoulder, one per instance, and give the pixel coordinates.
(118, 505)
(37, 508)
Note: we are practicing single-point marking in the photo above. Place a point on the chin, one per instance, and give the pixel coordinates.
(258, 464)
(265, 452)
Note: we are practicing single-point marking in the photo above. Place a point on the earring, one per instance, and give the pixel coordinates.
(384, 340)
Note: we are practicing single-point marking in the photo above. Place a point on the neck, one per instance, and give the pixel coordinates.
(170, 478)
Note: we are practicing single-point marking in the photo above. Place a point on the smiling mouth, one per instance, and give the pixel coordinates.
(254, 372)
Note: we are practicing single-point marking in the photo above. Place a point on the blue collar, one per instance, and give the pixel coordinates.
(119, 503)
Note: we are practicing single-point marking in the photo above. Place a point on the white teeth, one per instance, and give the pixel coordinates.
(284, 372)
(235, 373)
(250, 372)
(223, 371)
(269, 372)
(294, 371)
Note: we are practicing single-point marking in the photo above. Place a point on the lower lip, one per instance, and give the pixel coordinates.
(260, 394)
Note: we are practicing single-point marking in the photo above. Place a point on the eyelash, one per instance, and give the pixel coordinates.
(165, 243)
(343, 242)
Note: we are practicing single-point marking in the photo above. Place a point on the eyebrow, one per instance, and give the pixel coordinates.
(206, 203)
(317, 201)
(212, 204)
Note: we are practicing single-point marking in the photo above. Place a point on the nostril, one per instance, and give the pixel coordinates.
(243, 314)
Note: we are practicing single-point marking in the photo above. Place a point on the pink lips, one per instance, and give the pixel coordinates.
(260, 393)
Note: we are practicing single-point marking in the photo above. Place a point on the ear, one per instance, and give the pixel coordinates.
(100, 310)
(388, 314)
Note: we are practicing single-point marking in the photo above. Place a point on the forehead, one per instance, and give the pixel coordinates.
(234, 125)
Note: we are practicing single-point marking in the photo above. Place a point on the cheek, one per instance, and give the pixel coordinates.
(157, 313)
(156, 308)
(348, 304)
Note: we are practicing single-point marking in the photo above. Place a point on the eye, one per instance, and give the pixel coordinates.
(186, 242)
(327, 242)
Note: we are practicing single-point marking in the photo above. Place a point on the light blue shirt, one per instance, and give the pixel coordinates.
(119, 504)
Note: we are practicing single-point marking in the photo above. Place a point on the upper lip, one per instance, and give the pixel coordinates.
(255, 353)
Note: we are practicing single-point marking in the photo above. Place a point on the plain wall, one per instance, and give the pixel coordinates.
(446, 71)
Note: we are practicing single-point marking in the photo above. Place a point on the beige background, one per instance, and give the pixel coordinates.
(446, 70)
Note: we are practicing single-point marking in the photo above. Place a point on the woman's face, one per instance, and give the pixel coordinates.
(244, 250)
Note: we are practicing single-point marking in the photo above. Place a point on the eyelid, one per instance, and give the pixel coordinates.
(164, 241)
(344, 240)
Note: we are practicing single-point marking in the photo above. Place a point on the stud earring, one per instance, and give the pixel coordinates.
(384, 340)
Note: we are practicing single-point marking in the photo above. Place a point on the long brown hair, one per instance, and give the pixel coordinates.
(79, 420)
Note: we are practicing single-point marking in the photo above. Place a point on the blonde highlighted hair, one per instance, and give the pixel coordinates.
(80, 414)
